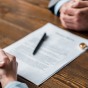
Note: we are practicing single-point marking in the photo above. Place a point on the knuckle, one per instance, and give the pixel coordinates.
(79, 13)
(5, 57)
(77, 20)
(13, 57)
(78, 3)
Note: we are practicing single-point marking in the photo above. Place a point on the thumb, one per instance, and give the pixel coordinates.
(79, 4)
(2, 63)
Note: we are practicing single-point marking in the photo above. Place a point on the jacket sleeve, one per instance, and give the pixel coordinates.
(16, 84)
(54, 8)
(52, 4)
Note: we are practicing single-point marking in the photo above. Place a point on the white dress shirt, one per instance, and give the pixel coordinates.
(16, 84)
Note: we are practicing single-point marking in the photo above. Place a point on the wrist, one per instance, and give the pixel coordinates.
(7, 80)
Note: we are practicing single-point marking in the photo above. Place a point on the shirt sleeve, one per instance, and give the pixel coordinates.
(16, 84)
(58, 6)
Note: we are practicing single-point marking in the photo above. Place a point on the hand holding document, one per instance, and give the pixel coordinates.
(59, 48)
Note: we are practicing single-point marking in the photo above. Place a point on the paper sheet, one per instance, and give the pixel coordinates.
(59, 49)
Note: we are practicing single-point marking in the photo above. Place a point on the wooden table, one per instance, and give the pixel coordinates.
(21, 17)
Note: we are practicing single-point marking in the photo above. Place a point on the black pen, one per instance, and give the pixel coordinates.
(39, 44)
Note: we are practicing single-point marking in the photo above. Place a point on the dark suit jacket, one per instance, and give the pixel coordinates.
(51, 5)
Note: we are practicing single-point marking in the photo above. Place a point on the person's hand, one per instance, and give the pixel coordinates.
(8, 68)
(74, 15)
(80, 3)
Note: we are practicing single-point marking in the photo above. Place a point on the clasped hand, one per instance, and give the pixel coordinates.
(8, 68)
(74, 15)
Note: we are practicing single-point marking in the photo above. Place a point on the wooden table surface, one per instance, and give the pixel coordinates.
(21, 17)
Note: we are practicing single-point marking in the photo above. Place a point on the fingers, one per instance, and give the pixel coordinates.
(80, 4)
(68, 25)
(67, 9)
(78, 13)
(2, 54)
(69, 22)
(66, 21)
(67, 18)
(70, 11)
(3, 58)
(75, 18)
(11, 57)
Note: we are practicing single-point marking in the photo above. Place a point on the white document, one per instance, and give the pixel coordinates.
(59, 49)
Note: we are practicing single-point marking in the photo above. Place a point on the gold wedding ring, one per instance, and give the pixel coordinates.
(82, 45)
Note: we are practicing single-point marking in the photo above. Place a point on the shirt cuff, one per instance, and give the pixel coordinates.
(16, 84)
(58, 6)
